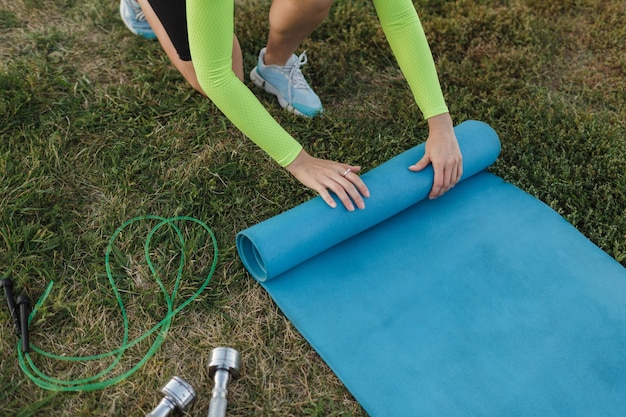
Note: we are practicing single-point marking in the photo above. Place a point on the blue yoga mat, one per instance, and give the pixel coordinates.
(483, 302)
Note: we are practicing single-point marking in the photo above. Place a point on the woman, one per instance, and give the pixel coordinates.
(204, 30)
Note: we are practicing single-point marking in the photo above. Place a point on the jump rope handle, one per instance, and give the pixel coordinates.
(23, 302)
(7, 285)
(18, 311)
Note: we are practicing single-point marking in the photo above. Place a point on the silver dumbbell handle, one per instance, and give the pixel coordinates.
(217, 407)
(164, 409)
(225, 364)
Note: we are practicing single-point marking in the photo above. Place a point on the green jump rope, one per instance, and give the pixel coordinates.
(101, 379)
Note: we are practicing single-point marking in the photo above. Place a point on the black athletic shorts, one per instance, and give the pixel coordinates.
(173, 17)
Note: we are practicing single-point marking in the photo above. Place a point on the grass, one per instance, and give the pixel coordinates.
(96, 128)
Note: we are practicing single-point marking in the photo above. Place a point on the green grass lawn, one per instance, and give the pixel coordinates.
(96, 128)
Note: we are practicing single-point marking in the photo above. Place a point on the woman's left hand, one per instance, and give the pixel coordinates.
(443, 152)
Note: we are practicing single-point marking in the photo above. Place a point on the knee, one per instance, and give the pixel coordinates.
(319, 6)
(193, 82)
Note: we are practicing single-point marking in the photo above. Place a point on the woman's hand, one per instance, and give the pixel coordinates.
(323, 176)
(443, 152)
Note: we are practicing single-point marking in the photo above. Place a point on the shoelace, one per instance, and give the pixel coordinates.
(139, 16)
(295, 75)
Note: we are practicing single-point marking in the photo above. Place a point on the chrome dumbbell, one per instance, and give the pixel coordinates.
(224, 365)
(178, 395)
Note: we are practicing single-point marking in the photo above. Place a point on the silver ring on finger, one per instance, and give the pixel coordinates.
(346, 172)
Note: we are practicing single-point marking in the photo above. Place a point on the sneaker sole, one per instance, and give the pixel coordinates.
(261, 83)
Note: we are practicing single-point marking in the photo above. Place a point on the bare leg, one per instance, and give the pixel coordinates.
(185, 67)
(291, 21)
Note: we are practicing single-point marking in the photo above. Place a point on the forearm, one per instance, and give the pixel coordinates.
(210, 26)
(408, 42)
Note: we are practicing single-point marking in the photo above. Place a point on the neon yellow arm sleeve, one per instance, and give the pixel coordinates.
(406, 37)
(210, 27)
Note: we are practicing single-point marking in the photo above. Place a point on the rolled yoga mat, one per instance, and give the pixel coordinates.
(483, 302)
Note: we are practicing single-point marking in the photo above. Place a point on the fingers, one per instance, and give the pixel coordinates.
(328, 177)
(421, 164)
(445, 178)
(352, 188)
(357, 182)
(347, 186)
(323, 192)
(446, 175)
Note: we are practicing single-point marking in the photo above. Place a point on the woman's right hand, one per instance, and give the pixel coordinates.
(324, 176)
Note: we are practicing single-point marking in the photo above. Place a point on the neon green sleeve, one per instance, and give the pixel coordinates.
(210, 27)
(406, 37)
